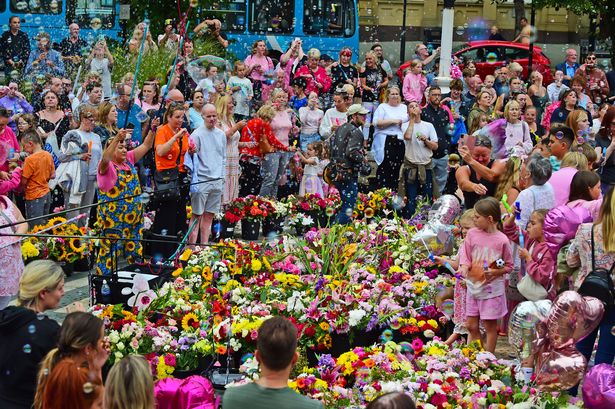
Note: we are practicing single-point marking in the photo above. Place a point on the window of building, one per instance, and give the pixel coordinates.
(35, 6)
(272, 16)
(329, 17)
(94, 14)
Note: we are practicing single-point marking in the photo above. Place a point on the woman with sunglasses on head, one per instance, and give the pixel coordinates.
(480, 176)
(605, 141)
(343, 72)
(170, 145)
(568, 103)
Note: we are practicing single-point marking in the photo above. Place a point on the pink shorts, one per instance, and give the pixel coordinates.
(489, 309)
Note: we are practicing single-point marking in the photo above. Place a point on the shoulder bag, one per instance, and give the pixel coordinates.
(167, 180)
(599, 282)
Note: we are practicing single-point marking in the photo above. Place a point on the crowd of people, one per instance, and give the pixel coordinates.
(517, 153)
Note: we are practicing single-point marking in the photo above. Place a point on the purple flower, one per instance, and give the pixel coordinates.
(326, 360)
(464, 373)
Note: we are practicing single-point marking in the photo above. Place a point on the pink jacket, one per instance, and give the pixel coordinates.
(12, 184)
(320, 76)
(414, 87)
(542, 266)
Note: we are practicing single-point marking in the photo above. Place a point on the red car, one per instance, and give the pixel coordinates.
(491, 55)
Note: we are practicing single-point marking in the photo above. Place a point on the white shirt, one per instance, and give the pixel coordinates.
(417, 151)
(386, 112)
(332, 117)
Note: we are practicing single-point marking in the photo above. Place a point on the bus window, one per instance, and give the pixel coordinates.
(272, 16)
(36, 6)
(330, 17)
(233, 17)
(94, 14)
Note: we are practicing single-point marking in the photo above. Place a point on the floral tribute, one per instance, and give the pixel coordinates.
(362, 299)
(67, 247)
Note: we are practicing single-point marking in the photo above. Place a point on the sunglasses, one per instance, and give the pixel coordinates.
(483, 142)
(346, 53)
(591, 58)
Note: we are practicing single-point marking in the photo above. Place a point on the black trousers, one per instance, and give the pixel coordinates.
(250, 178)
(171, 220)
(387, 175)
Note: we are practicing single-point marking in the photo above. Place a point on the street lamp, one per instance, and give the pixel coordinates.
(446, 46)
(402, 45)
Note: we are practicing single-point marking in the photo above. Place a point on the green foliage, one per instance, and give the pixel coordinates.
(154, 64)
(576, 6)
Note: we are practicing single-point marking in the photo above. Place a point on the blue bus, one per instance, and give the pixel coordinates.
(327, 25)
(53, 16)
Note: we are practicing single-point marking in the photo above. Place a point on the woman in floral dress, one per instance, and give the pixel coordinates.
(225, 107)
(120, 213)
(11, 265)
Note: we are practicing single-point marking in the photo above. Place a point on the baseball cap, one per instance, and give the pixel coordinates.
(356, 109)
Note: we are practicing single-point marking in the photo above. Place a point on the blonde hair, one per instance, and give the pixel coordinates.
(237, 65)
(222, 108)
(572, 122)
(388, 91)
(313, 53)
(510, 177)
(266, 113)
(38, 276)
(347, 88)
(574, 160)
(129, 384)
(607, 218)
(511, 103)
(468, 215)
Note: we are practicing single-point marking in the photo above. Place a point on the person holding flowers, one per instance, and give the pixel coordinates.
(120, 211)
(484, 258)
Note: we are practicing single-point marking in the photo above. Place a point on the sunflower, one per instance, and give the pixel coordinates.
(190, 321)
(114, 192)
(369, 212)
(112, 207)
(109, 263)
(126, 232)
(130, 217)
(130, 246)
(108, 223)
(360, 207)
(77, 245)
(371, 203)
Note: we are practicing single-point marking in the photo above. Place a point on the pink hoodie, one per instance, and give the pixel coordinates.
(414, 87)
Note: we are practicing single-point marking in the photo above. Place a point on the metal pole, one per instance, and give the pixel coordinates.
(530, 60)
(446, 45)
(402, 45)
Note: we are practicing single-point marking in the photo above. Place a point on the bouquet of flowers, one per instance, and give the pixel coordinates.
(68, 246)
(376, 203)
(250, 207)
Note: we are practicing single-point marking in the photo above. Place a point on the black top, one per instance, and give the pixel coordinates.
(339, 75)
(440, 120)
(373, 78)
(15, 47)
(470, 197)
(496, 37)
(606, 172)
(67, 48)
(25, 339)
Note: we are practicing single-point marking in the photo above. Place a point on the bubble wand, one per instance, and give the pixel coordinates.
(134, 82)
(432, 258)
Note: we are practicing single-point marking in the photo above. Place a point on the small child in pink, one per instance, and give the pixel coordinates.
(466, 222)
(484, 258)
(415, 83)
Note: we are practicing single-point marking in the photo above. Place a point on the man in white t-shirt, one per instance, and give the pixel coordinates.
(334, 117)
(420, 139)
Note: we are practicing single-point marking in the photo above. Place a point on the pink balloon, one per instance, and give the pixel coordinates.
(558, 370)
(572, 318)
(599, 387)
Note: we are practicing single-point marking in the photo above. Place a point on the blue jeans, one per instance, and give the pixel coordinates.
(272, 169)
(413, 189)
(37, 208)
(605, 354)
(349, 190)
(371, 107)
(440, 170)
(306, 139)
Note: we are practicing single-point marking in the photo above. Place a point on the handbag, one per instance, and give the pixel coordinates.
(167, 180)
(598, 283)
(531, 289)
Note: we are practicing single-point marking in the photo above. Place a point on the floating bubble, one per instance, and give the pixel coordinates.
(405, 346)
(38, 20)
(5, 27)
(164, 232)
(492, 58)
(40, 316)
(14, 74)
(96, 23)
(142, 116)
(447, 308)
(398, 202)
(460, 30)
(31, 328)
(349, 212)
(27, 349)
(28, 18)
(53, 6)
(144, 198)
(387, 335)
(194, 3)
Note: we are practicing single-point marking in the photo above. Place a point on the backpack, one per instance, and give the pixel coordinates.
(561, 225)
(599, 282)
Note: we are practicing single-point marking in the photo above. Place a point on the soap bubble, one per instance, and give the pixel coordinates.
(194, 3)
(40, 316)
(447, 307)
(37, 20)
(144, 198)
(28, 18)
(492, 58)
(142, 116)
(31, 328)
(460, 30)
(27, 349)
(398, 202)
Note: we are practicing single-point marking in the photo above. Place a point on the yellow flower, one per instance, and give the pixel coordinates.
(369, 212)
(177, 272)
(114, 192)
(371, 203)
(324, 326)
(266, 263)
(77, 245)
(189, 320)
(360, 207)
(28, 250)
(256, 265)
(186, 254)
